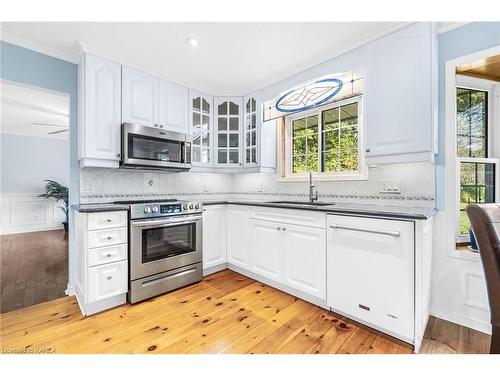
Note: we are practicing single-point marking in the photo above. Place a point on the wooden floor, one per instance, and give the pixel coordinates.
(225, 313)
(34, 268)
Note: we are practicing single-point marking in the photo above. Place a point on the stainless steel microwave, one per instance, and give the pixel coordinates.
(149, 148)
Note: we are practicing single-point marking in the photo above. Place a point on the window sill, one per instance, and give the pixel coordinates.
(462, 252)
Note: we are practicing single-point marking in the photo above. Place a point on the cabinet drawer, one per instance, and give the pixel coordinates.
(290, 216)
(104, 255)
(107, 281)
(103, 220)
(106, 237)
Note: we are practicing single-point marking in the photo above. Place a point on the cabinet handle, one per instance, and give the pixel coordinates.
(278, 228)
(109, 277)
(108, 255)
(387, 233)
(118, 155)
(284, 229)
(161, 126)
(156, 125)
(367, 150)
(109, 238)
(108, 220)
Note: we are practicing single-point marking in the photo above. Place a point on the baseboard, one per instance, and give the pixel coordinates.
(214, 269)
(478, 325)
(70, 291)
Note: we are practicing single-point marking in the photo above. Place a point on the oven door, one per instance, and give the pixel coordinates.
(143, 146)
(159, 245)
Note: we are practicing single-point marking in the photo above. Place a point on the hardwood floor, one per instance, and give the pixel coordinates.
(34, 268)
(225, 313)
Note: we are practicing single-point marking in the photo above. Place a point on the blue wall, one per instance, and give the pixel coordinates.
(27, 161)
(36, 69)
(462, 41)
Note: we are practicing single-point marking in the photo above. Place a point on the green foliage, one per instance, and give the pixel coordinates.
(339, 147)
(57, 191)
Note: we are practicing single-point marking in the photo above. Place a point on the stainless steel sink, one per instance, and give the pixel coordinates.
(304, 203)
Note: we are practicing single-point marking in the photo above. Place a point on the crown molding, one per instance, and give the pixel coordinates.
(37, 47)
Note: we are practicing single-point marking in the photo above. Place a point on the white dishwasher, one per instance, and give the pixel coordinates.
(370, 272)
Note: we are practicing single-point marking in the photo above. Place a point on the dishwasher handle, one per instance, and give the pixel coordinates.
(366, 230)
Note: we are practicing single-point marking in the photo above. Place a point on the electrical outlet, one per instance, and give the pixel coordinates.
(389, 186)
(88, 187)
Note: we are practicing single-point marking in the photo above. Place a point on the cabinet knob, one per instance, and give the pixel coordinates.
(109, 277)
(108, 220)
(108, 255)
(161, 126)
(367, 150)
(156, 125)
(118, 155)
(109, 238)
(284, 229)
(279, 228)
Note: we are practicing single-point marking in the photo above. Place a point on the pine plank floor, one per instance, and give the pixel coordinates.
(34, 268)
(225, 313)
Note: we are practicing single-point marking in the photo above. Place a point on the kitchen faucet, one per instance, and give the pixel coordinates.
(313, 195)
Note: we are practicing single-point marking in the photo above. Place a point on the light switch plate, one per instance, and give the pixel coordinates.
(389, 186)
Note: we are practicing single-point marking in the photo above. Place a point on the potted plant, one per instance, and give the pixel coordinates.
(59, 192)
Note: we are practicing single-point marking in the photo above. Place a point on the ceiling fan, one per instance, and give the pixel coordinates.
(53, 125)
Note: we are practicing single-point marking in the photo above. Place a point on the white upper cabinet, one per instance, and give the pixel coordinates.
(201, 114)
(139, 98)
(173, 106)
(399, 97)
(228, 145)
(100, 117)
(251, 131)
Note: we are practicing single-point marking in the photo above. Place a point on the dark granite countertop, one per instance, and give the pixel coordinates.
(400, 212)
(99, 207)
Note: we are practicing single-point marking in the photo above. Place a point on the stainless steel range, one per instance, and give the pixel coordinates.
(165, 247)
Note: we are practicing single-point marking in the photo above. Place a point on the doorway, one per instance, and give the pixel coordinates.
(34, 164)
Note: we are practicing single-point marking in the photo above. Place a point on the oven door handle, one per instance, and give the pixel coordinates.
(165, 223)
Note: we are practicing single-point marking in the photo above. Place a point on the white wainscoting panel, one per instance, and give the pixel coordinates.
(26, 212)
(474, 285)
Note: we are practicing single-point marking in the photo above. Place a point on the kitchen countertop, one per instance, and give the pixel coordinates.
(99, 207)
(399, 212)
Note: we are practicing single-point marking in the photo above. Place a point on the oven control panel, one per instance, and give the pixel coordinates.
(158, 209)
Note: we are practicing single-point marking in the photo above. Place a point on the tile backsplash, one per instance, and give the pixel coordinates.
(100, 185)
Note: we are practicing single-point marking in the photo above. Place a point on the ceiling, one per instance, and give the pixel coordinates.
(231, 58)
(488, 68)
(33, 112)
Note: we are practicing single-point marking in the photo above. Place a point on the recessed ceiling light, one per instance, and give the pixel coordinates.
(193, 42)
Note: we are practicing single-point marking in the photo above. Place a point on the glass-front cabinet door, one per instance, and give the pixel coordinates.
(201, 120)
(250, 130)
(228, 125)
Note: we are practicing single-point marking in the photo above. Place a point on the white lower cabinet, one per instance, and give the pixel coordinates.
(107, 281)
(214, 237)
(267, 249)
(102, 265)
(371, 272)
(238, 222)
(305, 259)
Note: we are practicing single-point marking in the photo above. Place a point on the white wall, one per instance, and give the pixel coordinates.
(25, 162)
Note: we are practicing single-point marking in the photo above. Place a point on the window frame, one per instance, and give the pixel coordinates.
(477, 84)
(361, 174)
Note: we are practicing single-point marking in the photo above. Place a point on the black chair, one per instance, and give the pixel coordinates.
(485, 221)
